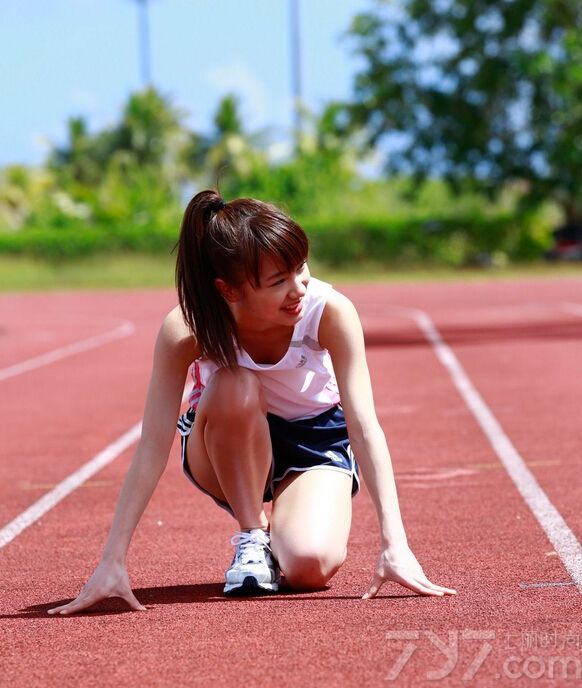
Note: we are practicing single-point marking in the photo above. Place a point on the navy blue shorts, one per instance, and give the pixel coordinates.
(301, 445)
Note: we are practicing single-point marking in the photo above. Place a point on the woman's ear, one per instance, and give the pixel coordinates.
(230, 294)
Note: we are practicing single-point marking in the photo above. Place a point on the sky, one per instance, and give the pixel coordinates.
(65, 58)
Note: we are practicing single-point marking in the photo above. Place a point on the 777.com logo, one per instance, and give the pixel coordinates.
(450, 651)
(520, 662)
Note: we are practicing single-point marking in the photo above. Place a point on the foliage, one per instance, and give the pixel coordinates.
(122, 190)
(450, 241)
(479, 92)
(143, 136)
(337, 239)
(320, 172)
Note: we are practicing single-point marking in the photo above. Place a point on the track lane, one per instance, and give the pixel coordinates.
(563, 540)
(58, 416)
(537, 405)
(124, 329)
(33, 324)
(192, 635)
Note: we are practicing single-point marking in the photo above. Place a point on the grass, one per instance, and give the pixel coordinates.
(19, 273)
(146, 271)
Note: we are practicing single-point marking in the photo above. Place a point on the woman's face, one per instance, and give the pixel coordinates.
(277, 300)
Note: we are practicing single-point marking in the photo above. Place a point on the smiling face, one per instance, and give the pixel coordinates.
(276, 302)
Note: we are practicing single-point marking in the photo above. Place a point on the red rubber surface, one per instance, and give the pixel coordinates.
(465, 520)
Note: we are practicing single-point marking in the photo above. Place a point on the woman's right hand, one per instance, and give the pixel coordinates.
(108, 580)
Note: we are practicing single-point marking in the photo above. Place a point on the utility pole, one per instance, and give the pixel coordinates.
(144, 44)
(295, 39)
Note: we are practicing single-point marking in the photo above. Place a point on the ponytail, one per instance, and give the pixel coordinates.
(205, 311)
(227, 241)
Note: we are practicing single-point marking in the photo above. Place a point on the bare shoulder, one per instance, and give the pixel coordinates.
(338, 304)
(175, 337)
(339, 314)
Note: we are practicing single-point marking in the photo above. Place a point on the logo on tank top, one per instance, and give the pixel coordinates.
(302, 361)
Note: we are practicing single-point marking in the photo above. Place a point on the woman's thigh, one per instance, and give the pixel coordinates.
(310, 525)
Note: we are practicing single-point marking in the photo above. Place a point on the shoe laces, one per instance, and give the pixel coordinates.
(251, 545)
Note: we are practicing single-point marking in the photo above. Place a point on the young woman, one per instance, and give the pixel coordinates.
(281, 406)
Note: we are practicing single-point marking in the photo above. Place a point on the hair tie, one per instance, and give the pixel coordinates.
(220, 205)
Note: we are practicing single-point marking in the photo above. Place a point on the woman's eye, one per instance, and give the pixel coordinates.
(298, 270)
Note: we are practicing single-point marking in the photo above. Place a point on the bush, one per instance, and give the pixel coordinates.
(450, 241)
(74, 242)
(453, 241)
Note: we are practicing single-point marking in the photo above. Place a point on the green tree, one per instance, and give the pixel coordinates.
(146, 134)
(77, 161)
(313, 179)
(131, 171)
(147, 126)
(227, 119)
(479, 92)
(231, 152)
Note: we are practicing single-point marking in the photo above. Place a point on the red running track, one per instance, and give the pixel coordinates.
(516, 618)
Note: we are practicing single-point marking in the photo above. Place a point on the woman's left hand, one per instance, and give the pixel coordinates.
(397, 563)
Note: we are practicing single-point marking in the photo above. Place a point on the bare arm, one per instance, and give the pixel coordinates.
(174, 351)
(341, 334)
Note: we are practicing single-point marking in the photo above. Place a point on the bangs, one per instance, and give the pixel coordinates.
(283, 241)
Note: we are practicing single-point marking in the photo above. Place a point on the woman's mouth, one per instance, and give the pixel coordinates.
(294, 308)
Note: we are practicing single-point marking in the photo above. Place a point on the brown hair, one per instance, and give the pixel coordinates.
(227, 241)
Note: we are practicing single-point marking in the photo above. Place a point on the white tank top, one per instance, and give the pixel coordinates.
(302, 384)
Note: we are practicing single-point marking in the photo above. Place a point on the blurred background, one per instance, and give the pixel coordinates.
(404, 135)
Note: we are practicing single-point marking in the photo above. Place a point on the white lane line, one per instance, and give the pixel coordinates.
(68, 485)
(123, 330)
(557, 584)
(562, 538)
(72, 482)
(441, 474)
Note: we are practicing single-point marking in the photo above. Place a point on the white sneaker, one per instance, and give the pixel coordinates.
(254, 569)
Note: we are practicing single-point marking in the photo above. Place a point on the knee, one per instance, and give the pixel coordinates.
(233, 395)
(311, 569)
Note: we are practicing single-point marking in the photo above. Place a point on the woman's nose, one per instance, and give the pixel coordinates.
(300, 286)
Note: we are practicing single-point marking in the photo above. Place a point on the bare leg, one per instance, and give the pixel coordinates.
(229, 451)
(310, 525)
